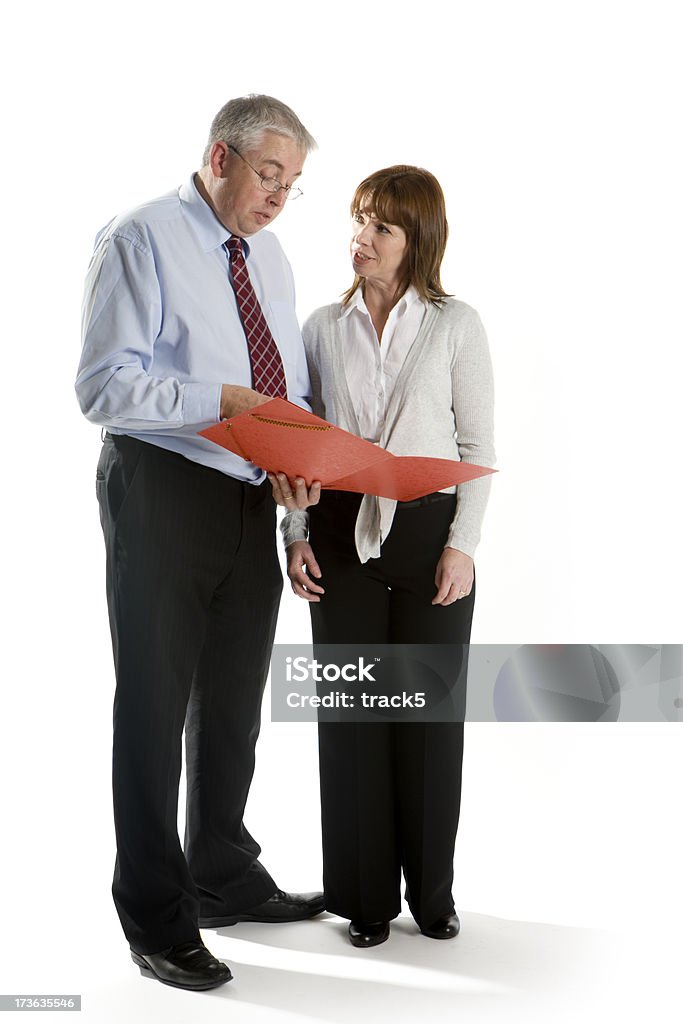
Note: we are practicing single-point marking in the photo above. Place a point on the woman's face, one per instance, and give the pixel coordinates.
(377, 249)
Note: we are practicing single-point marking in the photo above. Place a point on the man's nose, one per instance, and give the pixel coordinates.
(279, 197)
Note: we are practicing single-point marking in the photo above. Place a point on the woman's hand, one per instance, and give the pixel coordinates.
(454, 576)
(301, 566)
(295, 495)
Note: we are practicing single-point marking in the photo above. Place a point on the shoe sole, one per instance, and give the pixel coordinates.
(147, 972)
(367, 945)
(227, 922)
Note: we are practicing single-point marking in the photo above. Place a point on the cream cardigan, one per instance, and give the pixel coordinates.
(442, 406)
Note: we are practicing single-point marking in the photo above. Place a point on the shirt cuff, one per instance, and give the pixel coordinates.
(294, 526)
(201, 403)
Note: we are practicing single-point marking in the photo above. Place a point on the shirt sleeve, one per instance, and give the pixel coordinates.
(122, 313)
(472, 382)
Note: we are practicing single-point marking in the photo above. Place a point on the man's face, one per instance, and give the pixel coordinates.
(240, 201)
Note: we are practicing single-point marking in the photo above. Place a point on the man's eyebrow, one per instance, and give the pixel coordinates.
(280, 167)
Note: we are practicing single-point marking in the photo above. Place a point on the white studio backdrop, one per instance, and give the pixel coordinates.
(554, 130)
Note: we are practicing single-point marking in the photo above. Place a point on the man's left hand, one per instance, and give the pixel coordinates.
(454, 576)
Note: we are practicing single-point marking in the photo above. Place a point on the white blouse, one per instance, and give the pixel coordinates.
(371, 366)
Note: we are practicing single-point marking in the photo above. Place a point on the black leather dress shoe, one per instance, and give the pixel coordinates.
(188, 965)
(281, 907)
(446, 927)
(366, 935)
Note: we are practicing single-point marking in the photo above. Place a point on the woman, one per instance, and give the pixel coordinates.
(401, 363)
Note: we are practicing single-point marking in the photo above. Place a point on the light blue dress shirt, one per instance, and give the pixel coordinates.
(162, 332)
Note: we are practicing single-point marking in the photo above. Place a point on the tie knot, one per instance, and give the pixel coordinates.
(234, 246)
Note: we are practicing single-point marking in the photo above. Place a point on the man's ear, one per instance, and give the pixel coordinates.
(218, 159)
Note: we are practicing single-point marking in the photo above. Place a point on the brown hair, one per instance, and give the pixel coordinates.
(411, 198)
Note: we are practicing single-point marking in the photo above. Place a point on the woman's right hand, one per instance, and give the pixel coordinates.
(294, 495)
(301, 567)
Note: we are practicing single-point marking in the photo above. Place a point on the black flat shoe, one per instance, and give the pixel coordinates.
(188, 965)
(281, 907)
(446, 927)
(366, 935)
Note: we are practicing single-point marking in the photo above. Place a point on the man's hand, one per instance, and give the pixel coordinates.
(236, 399)
(301, 566)
(294, 495)
(454, 576)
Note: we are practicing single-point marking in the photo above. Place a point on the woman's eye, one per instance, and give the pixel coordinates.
(383, 228)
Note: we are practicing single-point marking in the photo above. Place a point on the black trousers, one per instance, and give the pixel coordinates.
(390, 792)
(193, 587)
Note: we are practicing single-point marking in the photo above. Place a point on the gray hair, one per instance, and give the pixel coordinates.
(242, 122)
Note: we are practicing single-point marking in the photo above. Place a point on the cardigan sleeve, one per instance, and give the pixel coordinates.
(294, 526)
(472, 382)
(310, 332)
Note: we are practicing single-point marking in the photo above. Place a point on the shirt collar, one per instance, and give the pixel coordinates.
(211, 232)
(402, 306)
(355, 302)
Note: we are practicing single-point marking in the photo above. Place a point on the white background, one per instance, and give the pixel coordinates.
(554, 129)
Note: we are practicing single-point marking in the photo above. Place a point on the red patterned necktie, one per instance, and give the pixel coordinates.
(267, 371)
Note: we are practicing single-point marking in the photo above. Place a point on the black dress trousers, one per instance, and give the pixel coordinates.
(193, 587)
(390, 792)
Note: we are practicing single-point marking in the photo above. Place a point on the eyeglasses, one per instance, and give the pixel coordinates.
(271, 184)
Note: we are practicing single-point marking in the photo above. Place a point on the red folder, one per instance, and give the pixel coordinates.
(283, 438)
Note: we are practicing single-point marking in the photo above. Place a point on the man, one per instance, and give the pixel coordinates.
(186, 322)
